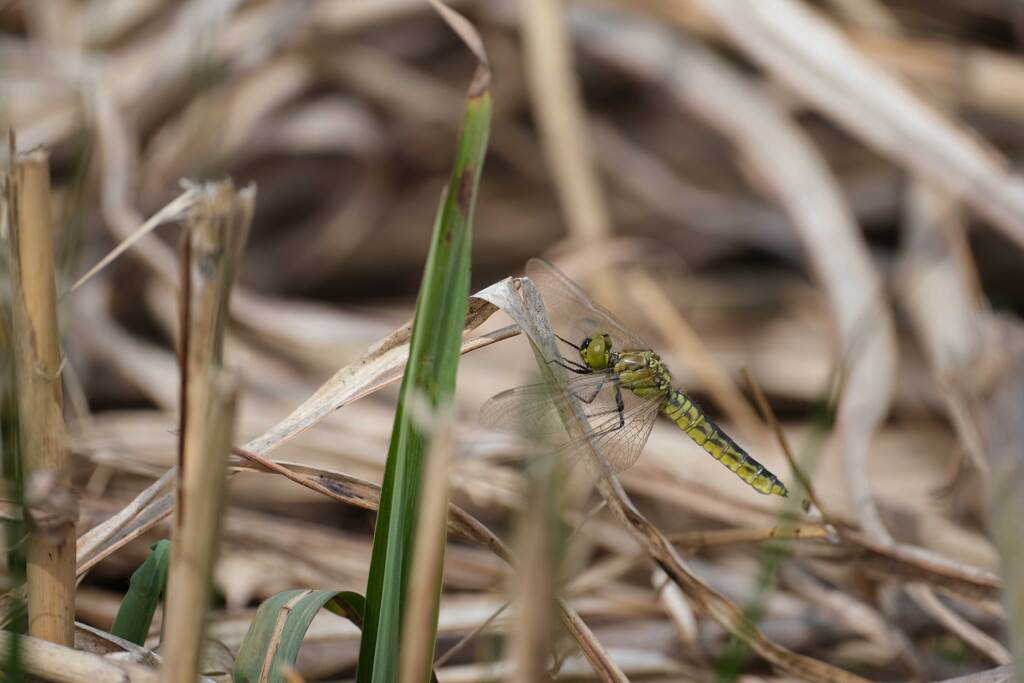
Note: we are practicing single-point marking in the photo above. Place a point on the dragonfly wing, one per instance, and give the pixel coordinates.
(620, 445)
(572, 313)
(533, 410)
(619, 421)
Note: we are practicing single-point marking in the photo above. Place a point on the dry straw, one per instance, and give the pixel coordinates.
(49, 501)
(217, 230)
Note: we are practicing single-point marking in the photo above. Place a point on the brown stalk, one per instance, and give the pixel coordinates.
(51, 507)
(676, 607)
(217, 230)
(692, 540)
(714, 603)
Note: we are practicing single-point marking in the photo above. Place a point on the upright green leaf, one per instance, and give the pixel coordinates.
(430, 374)
(147, 584)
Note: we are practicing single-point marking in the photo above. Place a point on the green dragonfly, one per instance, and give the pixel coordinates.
(622, 384)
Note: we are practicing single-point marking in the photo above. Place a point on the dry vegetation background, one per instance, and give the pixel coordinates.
(819, 193)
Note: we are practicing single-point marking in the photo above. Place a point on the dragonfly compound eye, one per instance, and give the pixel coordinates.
(594, 351)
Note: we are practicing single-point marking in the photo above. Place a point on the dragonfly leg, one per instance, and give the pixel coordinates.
(619, 403)
(566, 341)
(597, 390)
(620, 407)
(571, 366)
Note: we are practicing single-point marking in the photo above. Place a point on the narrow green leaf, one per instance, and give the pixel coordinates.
(135, 615)
(350, 605)
(430, 374)
(279, 627)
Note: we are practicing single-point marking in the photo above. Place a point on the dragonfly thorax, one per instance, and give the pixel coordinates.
(596, 351)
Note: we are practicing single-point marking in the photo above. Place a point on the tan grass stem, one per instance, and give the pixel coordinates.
(217, 229)
(51, 507)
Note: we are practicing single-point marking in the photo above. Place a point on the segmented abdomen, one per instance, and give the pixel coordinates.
(691, 419)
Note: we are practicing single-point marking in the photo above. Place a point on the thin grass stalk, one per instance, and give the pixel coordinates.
(419, 630)
(51, 508)
(216, 232)
(540, 543)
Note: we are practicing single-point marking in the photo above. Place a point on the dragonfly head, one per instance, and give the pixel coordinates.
(596, 351)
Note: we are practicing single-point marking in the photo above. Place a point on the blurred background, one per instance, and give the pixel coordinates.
(819, 193)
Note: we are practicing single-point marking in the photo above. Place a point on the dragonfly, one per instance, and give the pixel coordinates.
(622, 384)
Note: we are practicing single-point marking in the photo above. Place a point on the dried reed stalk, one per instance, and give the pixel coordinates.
(217, 230)
(52, 662)
(51, 507)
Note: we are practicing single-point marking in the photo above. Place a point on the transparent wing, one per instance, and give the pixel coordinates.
(534, 412)
(621, 446)
(571, 312)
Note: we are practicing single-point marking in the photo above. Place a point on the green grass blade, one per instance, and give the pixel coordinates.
(350, 605)
(430, 373)
(279, 627)
(135, 615)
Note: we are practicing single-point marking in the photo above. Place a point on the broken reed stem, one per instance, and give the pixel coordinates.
(51, 662)
(217, 229)
(52, 511)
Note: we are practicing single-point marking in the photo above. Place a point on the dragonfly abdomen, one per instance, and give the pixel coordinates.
(679, 408)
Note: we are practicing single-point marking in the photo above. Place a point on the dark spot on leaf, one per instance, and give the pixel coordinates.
(464, 191)
(335, 486)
